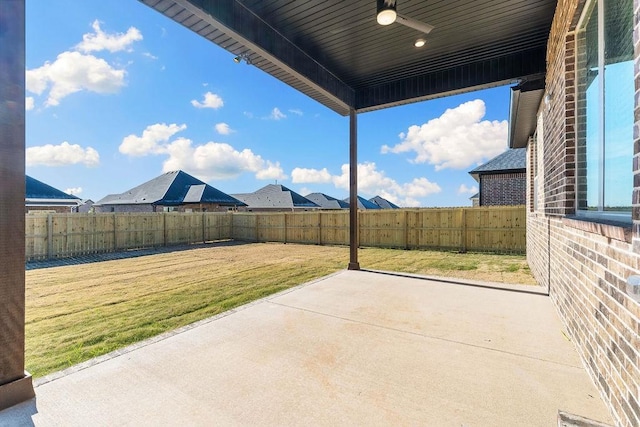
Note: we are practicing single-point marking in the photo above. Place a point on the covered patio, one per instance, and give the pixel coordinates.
(357, 347)
(352, 348)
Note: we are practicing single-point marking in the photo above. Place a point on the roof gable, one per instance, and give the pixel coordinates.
(383, 203)
(514, 159)
(275, 196)
(327, 202)
(364, 203)
(171, 188)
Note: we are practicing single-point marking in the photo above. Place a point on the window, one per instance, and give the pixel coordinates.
(605, 109)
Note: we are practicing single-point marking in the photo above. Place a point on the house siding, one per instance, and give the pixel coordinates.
(503, 189)
(584, 264)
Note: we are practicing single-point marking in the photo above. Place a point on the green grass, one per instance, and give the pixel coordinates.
(75, 313)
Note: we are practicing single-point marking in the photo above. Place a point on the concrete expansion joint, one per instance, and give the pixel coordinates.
(439, 338)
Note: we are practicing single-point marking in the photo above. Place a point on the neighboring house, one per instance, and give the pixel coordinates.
(475, 200)
(173, 191)
(276, 198)
(43, 197)
(85, 207)
(503, 179)
(383, 203)
(327, 202)
(364, 204)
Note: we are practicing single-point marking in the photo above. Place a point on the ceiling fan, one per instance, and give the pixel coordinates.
(387, 15)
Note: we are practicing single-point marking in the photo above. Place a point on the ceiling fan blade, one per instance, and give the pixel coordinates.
(413, 23)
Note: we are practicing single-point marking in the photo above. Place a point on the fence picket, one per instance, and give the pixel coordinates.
(495, 229)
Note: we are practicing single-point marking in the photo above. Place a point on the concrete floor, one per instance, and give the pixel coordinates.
(354, 348)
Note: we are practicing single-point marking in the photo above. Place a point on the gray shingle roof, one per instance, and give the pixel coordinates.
(513, 159)
(383, 203)
(171, 189)
(275, 196)
(327, 202)
(364, 203)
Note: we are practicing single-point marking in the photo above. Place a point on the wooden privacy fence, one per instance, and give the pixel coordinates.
(72, 234)
(494, 229)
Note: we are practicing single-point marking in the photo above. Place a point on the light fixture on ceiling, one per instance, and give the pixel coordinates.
(242, 57)
(387, 15)
(386, 12)
(420, 42)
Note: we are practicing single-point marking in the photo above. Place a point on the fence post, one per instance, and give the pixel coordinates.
(257, 227)
(406, 229)
(319, 228)
(285, 227)
(204, 240)
(115, 234)
(49, 236)
(164, 228)
(463, 236)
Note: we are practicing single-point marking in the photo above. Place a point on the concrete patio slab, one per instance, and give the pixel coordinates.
(354, 348)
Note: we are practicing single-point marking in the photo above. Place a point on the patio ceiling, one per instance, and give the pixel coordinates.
(335, 52)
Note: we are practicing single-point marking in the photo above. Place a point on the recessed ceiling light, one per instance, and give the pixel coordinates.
(420, 43)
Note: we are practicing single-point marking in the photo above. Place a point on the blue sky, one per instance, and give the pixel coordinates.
(117, 94)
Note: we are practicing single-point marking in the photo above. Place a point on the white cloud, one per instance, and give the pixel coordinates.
(276, 114)
(223, 129)
(371, 182)
(74, 190)
(212, 160)
(270, 171)
(304, 191)
(296, 111)
(149, 55)
(211, 100)
(62, 155)
(72, 72)
(248, 114)
(302, 175)
(457, 139)
(29, 103)
(215, 160)
(152, 141)
(95, 42)
(463, 189)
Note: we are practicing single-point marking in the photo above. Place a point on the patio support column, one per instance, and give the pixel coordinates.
(353, 191)
(15, 384)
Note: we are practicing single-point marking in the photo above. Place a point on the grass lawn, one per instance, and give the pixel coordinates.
(77, 312)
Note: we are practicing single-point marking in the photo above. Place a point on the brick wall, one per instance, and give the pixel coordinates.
(503, 189)
(584, 264)
(56, 209)
(123, 208)
(195, 207)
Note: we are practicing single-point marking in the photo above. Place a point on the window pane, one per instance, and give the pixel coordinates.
(588, 153)
(605, 106)
(619, 94)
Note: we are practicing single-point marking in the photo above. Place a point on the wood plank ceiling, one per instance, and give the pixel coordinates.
(335, 52)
